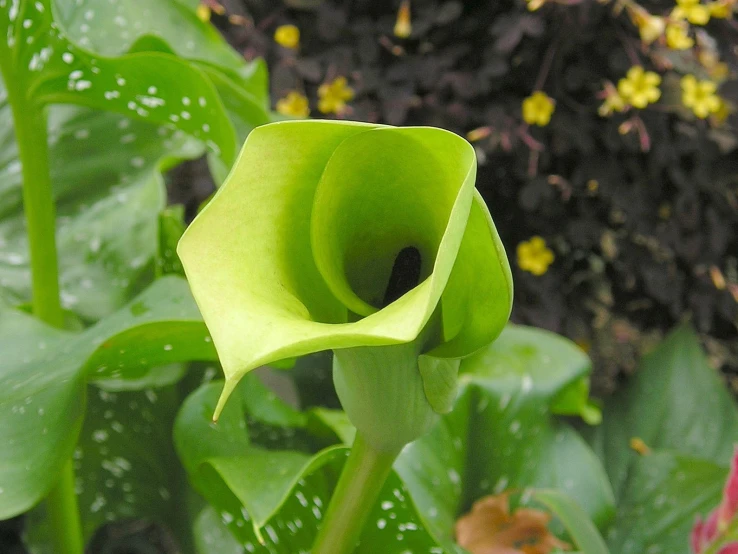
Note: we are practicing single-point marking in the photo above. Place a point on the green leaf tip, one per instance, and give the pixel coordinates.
(299, 250)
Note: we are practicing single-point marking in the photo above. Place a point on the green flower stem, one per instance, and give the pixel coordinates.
(38, 203)
(63, 514)
(357, 491)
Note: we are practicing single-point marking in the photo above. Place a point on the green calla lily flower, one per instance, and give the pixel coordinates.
(296, 251)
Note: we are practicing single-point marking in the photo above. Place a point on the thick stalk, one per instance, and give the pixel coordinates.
(38, 203)
(357, 491)
(63, 514)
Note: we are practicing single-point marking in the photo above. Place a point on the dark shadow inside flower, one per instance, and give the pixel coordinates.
(405, 274)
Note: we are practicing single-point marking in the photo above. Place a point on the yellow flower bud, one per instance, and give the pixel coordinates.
(294, 104)
(287, 36)
(677, 37)
(334, 95)
(538, 108)
(534, 256)
(640, 88)
(699, 96)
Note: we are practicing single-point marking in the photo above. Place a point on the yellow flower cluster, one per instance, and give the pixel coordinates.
(640, 88)
(675, 27)
(287, 36)
(691, 10)
(538, 108)
(294, 104)
(334, 95)
(700, 97)
(332, 98)
(534, 256)
(677, 36)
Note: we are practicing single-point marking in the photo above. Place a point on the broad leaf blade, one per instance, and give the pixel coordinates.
(577, 522)
(45, 66)
(43, 371)
(675, 401)
(124, 464)
(279, 497)
(664, 494)
(501, 434)
(105, 170)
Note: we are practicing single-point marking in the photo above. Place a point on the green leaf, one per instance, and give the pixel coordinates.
(660, 501)
(577, 522)
(109, 192)
(171, 227)
(475, 450)
(105, 169)
(124, 464)
(42, 64)
(212, 535)
(676, 402)
(678, 406)
(111, 29)
(502, 435)
(277, 491)
(43, 373)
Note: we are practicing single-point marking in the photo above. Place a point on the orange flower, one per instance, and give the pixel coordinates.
(490, 528)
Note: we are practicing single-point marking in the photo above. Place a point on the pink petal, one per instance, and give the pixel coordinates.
(729, 505)
(709, 531)
(731, 548)
(695, 537)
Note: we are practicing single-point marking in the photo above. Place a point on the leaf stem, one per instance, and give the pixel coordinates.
(357, 491)
(29, 123)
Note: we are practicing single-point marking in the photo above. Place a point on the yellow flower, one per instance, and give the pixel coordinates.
(294, 104)
(722, 9)
(692, 11)
(203, 12)
(534, 5)
(403, 26)
(677, 37)
(334, 95)
(287, 36)
(649, 26)
(534, 256)
(700, 96)
(537, 109)
(640, 88)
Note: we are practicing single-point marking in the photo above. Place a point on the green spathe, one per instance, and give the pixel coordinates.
(294, 254)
